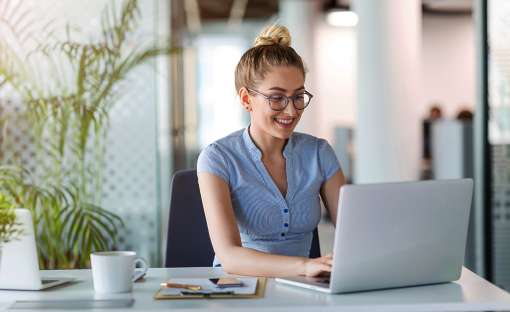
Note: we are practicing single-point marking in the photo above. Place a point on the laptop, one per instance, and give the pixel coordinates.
(19, 267)
(395, 235)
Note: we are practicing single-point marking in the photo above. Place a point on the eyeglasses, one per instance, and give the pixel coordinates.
(279, 102)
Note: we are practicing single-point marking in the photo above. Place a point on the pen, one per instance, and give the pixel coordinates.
(207, 293)
(183, 286)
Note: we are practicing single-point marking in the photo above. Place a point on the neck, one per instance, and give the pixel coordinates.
(267, 144)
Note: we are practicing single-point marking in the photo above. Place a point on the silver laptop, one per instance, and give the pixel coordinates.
(395, 235)
(19, 268)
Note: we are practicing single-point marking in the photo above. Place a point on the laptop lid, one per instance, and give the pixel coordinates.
(19, 268)
(400, 234)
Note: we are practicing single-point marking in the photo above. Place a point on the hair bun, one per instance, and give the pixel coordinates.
(273, 34)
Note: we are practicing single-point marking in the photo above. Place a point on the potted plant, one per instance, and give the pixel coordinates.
(9, 228)
(69, 119)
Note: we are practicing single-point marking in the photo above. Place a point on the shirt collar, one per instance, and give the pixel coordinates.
(287, 150)
(257, 154)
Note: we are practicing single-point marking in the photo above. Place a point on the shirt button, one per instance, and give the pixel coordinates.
(286, 210)
(286, 224)
(283, 234)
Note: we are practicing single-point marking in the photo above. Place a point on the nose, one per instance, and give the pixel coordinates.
(290, 109)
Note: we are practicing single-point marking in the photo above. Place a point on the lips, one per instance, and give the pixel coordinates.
(284, 122)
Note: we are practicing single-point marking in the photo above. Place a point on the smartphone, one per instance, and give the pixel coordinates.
(224, 282)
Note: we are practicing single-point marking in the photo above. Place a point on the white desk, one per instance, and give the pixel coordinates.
(470, 293)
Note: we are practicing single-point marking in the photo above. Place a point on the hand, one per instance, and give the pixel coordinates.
(318, 266)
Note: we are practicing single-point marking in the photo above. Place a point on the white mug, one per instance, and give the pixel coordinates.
(112, 271)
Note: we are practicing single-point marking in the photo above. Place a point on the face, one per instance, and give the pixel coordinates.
(281, 80)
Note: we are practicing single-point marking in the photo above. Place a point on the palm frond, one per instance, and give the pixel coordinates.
(70, 118)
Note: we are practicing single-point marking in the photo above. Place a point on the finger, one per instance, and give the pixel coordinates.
(325, 268)
(320, 269)
(324, 260)
(328, 262)
(324, 274)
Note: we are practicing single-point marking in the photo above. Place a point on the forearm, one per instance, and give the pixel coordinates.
(246, 261)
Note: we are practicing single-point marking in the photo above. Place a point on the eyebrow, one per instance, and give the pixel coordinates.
(283, 90)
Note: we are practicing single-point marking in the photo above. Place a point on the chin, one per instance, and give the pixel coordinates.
(283, 134)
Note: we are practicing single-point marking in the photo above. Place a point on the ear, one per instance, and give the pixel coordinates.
(244, 96)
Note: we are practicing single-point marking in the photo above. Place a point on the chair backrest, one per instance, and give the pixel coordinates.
(188, 242)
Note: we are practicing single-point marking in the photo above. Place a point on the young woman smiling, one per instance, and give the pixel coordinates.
(261, 186)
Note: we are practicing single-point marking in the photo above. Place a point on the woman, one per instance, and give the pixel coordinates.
(260, 186)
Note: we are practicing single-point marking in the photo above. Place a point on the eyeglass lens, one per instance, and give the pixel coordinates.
(279, 102)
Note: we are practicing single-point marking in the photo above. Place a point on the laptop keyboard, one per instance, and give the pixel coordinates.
(323, 280)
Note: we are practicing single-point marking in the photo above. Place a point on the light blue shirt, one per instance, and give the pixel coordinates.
(268, 221)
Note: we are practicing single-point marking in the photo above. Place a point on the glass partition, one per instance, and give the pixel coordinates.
(498, 58)
(80, 93)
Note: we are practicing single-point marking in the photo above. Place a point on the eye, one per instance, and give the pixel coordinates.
(276, 98)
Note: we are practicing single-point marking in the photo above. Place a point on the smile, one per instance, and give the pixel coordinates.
(284, 121)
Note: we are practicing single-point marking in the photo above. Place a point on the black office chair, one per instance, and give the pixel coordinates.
(188, 242)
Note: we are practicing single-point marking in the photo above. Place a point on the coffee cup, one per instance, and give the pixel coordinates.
(112, 271)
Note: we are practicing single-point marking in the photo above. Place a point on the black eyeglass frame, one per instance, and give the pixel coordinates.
(287, 98)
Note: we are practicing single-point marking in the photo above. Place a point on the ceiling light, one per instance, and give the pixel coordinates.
(342, 18)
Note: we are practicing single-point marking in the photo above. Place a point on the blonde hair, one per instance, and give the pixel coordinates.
(270, 48)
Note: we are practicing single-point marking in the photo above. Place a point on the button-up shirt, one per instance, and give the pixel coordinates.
(267, 220)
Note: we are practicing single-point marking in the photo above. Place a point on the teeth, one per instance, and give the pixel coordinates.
(285, 121)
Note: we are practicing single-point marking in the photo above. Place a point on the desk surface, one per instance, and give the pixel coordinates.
(470, 293)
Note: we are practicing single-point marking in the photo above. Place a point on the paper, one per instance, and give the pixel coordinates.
(249, 288)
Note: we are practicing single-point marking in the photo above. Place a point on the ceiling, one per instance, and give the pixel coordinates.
(191, 12)
(221, 9)
(448, 6)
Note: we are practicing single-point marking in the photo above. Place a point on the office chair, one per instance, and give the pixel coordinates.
(188, 242)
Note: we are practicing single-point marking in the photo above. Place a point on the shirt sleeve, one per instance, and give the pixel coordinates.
(212, 160)
(327, 159)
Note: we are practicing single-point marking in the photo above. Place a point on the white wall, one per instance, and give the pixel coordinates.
(448, 66)
(448, 62)
(335, 78)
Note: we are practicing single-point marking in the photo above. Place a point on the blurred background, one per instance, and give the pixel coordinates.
(102, 101)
